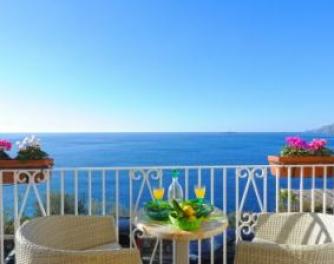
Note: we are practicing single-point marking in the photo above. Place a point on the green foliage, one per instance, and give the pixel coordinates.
(9, 223)
(69, 208)
(4, 155)
(177, 208)
(31, 153)
(55, 208)
(295, 203)
(324, 152)
(293, 152)
(288, 151)
(283, 200)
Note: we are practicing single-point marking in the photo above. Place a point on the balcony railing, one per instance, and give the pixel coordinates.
(240, 191)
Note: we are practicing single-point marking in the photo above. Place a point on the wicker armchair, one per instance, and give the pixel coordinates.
(289, 238)
(71, 239)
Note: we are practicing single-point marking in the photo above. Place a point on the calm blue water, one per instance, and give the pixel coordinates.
(136, 149)
(147, 149)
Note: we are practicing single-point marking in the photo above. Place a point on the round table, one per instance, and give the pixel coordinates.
(214, 225)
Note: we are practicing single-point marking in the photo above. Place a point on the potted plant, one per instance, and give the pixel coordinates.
(299, 152)
(29, 156)
(5, 145)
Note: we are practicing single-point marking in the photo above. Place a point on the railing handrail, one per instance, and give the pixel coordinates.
(174, 167)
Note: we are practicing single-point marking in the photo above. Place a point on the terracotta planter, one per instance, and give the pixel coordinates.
(8, 177)
(296, 171)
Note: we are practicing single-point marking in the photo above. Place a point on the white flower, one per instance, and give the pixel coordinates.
(31, 141)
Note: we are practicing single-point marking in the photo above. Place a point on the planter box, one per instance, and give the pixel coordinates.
(8, 177)
(319, 171)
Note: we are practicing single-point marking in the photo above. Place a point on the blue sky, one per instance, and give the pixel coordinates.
(166, 65)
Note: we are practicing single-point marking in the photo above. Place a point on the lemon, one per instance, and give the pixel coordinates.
(188, 211)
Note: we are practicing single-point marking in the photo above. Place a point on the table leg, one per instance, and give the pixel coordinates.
(182, 252)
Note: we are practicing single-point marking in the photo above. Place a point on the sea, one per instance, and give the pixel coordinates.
(158, 149)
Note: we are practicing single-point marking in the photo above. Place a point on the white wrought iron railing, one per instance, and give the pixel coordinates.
(240, 191)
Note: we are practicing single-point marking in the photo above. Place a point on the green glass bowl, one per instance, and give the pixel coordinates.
(204, 210)
(158, 212)
(186, 224)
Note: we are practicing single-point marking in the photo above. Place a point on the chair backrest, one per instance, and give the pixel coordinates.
(69, 232)
(296, 228)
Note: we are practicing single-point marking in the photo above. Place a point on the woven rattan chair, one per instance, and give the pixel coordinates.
(71, 239)
(289, 238)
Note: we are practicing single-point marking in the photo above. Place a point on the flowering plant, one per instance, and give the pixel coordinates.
(296, 146)
(5, 145)
(30, 149)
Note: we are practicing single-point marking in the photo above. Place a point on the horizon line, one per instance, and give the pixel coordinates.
(142, 132)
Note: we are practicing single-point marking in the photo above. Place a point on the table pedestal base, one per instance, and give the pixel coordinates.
(182, 252)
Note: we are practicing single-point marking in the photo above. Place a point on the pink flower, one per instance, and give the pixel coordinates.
(317, 144)
(5, 145)
(296, 142)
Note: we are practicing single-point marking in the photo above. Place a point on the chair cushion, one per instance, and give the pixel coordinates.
(109, 246)
(264, 241)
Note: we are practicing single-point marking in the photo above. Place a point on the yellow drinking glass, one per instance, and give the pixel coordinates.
(158, 193)
(200, 192)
